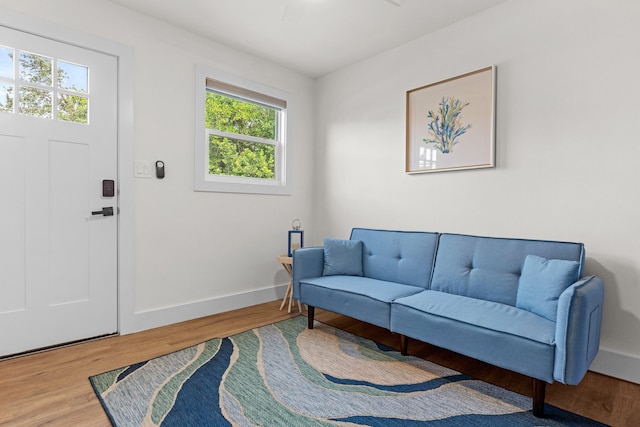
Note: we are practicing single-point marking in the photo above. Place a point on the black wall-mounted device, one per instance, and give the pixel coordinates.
(160, 169)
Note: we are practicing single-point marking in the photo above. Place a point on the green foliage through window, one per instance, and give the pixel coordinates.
(35, 102)
(250, 149)
(6, 97)
(72, 108)
(35, 86)
(241, 158)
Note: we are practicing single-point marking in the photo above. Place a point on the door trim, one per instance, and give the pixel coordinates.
(124, 54)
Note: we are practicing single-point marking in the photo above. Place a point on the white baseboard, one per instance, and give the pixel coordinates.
(617, 365)
(143, 320)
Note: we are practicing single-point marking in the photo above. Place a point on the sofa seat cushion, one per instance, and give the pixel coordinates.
(362, 298)
(496, 333)
(371, 288)
(485, 314)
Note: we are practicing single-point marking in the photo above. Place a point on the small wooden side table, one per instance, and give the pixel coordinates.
(287, 263)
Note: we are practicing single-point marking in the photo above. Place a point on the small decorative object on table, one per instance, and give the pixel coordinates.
(295, 230)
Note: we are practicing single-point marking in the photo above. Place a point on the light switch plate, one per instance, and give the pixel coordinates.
(142, 169)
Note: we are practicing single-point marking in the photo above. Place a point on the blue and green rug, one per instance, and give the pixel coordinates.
(287, 375)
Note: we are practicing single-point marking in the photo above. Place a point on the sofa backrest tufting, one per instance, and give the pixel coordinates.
(397, 256)
(489, 268)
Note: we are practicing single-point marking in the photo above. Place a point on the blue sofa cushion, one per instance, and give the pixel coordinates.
(496, 333)
(342, 257)
(489, 268)
(371, 288)
(358, 297)
(397, 256)
(488, 315)
(541, 283)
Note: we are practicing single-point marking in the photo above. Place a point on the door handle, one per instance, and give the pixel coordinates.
(106, 211)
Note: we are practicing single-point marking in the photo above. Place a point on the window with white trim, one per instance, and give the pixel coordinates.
(241, 129)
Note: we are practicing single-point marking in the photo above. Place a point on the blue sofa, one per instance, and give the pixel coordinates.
(522, 305)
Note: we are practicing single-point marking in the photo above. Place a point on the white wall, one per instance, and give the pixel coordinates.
(568, 104)
(567, 108)
(195, 253)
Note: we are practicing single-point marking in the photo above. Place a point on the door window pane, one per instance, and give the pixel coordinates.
(36, 68)
(72, 108)
(73, 77)
(35, 102)
(39, 92)
(6, 62)
(6, 97)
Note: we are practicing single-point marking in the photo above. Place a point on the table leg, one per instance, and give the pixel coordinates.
(288, 292)
(290, 296)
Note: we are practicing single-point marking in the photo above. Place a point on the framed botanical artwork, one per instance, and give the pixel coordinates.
(450, 124)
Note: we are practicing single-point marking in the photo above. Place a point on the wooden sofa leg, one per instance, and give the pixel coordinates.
(539, 387)
(311, 311)
(404, 344)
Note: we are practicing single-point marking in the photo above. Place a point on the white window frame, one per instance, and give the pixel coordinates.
(203, 181)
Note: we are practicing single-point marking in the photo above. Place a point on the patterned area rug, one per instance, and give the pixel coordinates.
(286, 375)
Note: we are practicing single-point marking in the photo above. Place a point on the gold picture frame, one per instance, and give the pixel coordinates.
(451, 123)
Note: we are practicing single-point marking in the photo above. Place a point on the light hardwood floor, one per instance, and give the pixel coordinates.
(52, 388)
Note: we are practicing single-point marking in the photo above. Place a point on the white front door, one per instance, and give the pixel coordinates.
(58, 149)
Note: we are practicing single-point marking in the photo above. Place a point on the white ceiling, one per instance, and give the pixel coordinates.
(314, 37)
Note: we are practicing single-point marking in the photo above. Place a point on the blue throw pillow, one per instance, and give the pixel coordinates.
(342, 257)
(541, 283)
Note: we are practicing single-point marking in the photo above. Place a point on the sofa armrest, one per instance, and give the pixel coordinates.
(307, 263)
(578, 329)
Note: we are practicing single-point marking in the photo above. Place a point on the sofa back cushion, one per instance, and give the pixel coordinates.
(397, 256)
(489, 268)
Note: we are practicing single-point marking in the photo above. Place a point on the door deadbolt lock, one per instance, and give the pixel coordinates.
(106, 211)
